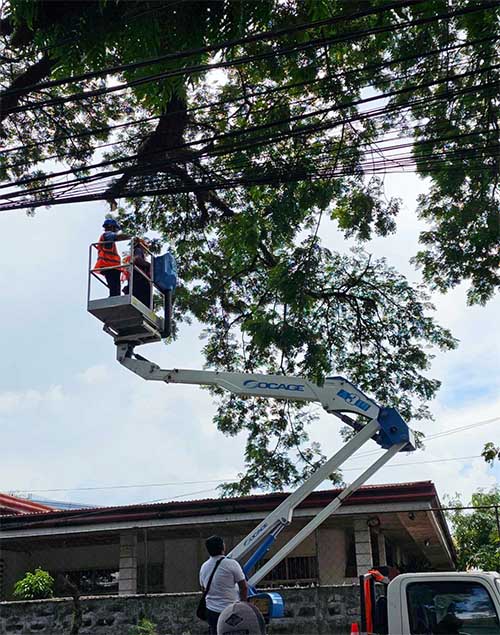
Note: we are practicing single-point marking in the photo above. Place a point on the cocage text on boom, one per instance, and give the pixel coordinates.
(271, 385)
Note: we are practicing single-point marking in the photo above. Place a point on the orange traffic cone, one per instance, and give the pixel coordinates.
(354, 628)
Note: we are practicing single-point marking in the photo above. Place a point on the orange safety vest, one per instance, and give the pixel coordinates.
(107, 255)
(125, 272)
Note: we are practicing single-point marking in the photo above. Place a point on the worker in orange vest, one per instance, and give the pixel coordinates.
(108, 256)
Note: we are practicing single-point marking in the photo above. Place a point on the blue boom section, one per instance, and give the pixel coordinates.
(393, 430)
(260, 552)
(165, 272)
(270, 604)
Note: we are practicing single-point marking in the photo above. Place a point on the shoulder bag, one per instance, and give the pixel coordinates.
(201, 611)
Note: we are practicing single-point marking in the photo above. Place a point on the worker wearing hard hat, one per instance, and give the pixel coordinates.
(241, 618)
(108, 258)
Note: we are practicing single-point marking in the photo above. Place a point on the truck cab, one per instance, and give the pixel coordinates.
(427, 603)
(465, 603)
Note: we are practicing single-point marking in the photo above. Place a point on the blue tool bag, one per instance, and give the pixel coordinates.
(165, 272)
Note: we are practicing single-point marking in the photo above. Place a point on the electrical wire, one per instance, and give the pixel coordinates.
(226, 44)
(370, 68)
(320, 42)
(214, 489)
(285, 121)
(448, 432)
(444, 433)
(388, 163)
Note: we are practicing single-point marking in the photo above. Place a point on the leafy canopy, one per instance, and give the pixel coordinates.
(477, 533)
(237, 167)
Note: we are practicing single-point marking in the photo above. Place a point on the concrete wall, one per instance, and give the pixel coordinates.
(182, 564)
(318, 610)
(63, 558)
(332, 555)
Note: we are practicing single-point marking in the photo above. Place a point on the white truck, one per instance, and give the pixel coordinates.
(414, 603)
(458, 603)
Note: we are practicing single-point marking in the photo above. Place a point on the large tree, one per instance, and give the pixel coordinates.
(233, 129)
(476, 532)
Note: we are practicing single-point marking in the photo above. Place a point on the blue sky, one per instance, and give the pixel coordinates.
(72, 418)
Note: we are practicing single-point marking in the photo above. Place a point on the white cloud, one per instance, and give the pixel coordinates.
(96, 375)
(29, 399)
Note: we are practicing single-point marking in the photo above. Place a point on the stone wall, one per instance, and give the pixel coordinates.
(320, 610)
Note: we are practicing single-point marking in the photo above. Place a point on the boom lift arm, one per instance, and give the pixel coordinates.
(131, 323)
(337, 396)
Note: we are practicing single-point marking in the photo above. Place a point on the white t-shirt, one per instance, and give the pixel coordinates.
(224, 587)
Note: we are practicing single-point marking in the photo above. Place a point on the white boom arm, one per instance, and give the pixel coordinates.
(337, 396)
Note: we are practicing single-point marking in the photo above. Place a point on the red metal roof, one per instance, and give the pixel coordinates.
(369, 495)
(14, 506)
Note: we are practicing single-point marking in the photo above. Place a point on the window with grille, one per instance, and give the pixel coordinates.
(298, 569)
(351, 567)
(89, 581)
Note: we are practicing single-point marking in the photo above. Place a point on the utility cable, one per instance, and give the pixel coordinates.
(209, 106)
(288, 120)
(226, 44)
(205, 186)
(370, 68)
(321, 42)
(177, 483)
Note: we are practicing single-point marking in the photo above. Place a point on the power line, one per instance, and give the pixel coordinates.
(115, 487)
(456, 458)
(203, 491)
(226, 44)
(445, 433)
(288, 120)
(220, 481)
(285, 174)
(298, 174)
(320, 42)
(258, 93)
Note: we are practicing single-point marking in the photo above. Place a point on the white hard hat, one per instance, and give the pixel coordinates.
(241, 618)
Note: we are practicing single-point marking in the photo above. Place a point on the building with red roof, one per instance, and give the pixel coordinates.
(158, 548)
(14, 506)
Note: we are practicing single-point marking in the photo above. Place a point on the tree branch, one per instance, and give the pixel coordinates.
(159, 147)
(32, 75)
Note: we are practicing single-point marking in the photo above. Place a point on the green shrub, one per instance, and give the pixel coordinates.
(34, 586)
(145, 627)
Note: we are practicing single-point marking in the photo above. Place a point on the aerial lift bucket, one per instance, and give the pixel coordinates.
(126, 317)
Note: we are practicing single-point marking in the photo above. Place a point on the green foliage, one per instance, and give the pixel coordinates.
(37, 585)
(144, 627)
(270, 294)
(476, 532)
(491, 452)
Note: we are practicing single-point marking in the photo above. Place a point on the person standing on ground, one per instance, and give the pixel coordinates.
(108, 256)
(228, 584)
